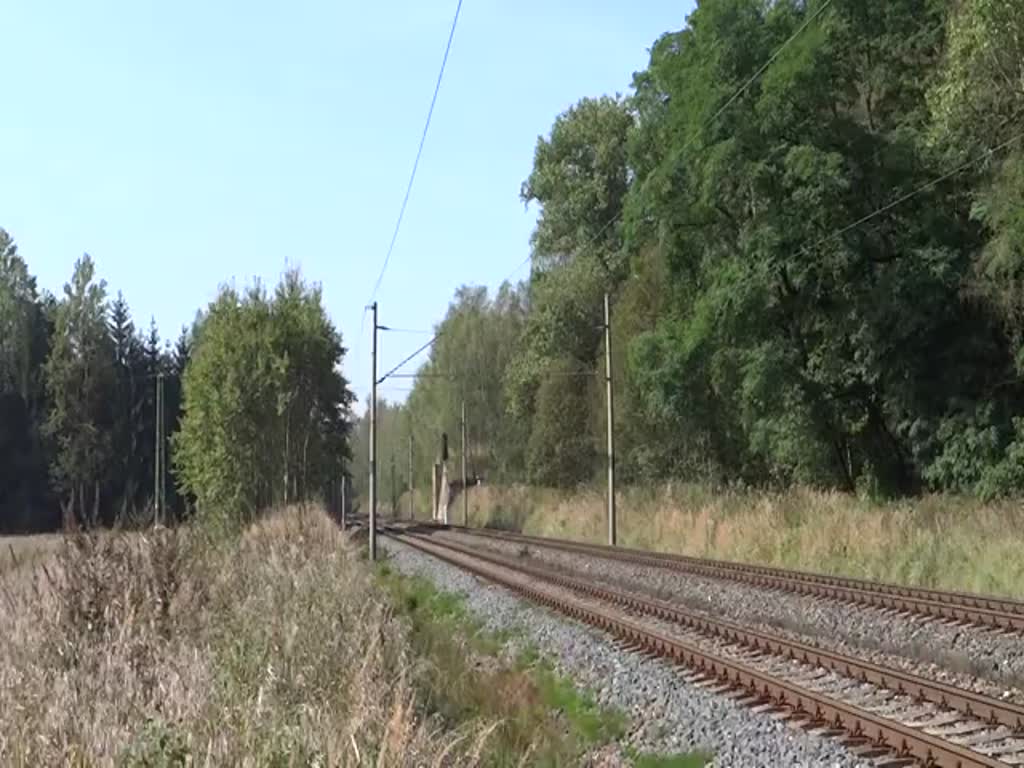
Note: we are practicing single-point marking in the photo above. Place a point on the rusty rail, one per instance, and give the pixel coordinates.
(983, 707)
(820, 709)
(980, 610)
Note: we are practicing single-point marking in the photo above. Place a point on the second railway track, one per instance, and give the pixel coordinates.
(993, 612)
(878, 710)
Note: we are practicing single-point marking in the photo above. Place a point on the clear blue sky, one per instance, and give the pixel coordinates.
(191, 143)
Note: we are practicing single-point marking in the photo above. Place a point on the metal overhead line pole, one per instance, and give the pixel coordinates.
(609, 397)
(344, 496)
(163, 452)
(373, 440)
(465, 486)
(412, 507)
(158, 450)
(394, 489)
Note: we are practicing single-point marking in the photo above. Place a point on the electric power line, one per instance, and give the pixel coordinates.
(391, 373)
(750, 81)
(389, 329)
(519, 266)
(879, 211)
(419, 153)
(904, 197)
(918, 190)
(739, 92)
(455, 376)
(420, 376)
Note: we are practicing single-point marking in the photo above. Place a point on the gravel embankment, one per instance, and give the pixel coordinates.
(668, 715)
(970, 657)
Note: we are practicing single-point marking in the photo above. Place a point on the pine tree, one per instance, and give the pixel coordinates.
(182, 352)
(25, 330)
(80, 381)
(129, 403)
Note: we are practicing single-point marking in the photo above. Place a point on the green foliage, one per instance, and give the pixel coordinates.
(19, 312)
(594, 724)
(649, 445)
(476, 343)
(158, 745)
(670, 761)
(78, 407)
(79, 378)
(561, 451)
(264, 404)
(580, 179)
(812, 234)
(77, 421)
(795, 355)
(980, 93)
(132, 391)
(564, 322)
(25, 329)
(971, 444)
(978, 104)
(979, 457)
(1006, 476)
(797, 300)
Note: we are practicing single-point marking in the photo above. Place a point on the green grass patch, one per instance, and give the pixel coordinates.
(594, 724)
(540, 712)
(668, 761)
(528, 656)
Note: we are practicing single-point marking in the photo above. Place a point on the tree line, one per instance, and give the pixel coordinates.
(267, 410)
(815, 269)
(256, 411)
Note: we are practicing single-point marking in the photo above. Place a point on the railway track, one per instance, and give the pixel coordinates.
(880, 712)
(996, 613)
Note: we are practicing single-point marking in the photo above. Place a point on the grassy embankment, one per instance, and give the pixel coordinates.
(944, 542)
(277, 647)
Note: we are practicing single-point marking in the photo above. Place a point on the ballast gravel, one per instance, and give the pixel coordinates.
(983, 660)
(667, 714)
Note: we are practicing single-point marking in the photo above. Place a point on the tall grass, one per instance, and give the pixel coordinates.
(26, 551)
(945, 542)
(167, 648)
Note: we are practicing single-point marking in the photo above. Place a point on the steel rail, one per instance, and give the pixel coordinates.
(981, 610)
(819, 709)
(980, 706)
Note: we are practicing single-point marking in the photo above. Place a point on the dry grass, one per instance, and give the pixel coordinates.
(936, 541)
(26, 551)
(166, 649)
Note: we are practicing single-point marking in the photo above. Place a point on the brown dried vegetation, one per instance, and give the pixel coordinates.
(938, 541)
(168, 648)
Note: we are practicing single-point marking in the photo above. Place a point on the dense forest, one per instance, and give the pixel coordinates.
(810, 219)
(77, 400)
(256, 411)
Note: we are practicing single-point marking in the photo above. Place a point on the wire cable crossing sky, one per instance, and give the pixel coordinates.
(419, 153)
